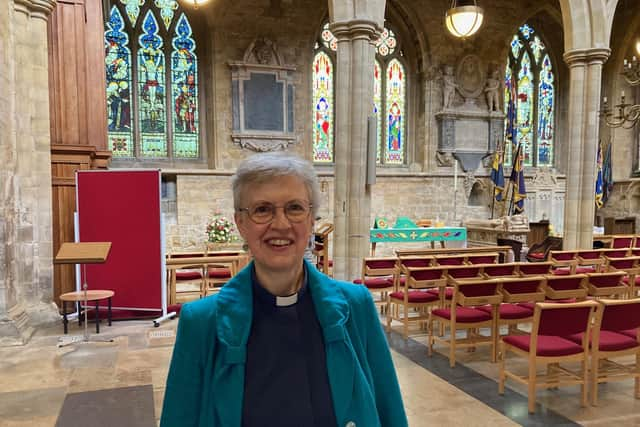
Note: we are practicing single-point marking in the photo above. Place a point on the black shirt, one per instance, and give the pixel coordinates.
(286, 381)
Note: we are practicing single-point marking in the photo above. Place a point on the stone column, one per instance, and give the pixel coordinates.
(354, 95)
(26, 272)
(584, 103)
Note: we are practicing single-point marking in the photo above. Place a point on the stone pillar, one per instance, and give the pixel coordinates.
(26, 272)
(585, 67)
(354, 95)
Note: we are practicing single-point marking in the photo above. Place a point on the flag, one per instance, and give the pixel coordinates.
(511, 112)
(497, 175)
(599, 179)
(517, 177)
(607, 178)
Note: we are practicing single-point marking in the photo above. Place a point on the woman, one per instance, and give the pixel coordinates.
(281, 344)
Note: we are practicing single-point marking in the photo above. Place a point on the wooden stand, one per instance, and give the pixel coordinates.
(84, 253)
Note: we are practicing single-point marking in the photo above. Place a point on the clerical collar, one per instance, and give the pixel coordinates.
(265, 297)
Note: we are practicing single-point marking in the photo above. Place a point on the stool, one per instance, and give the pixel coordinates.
(78, 297)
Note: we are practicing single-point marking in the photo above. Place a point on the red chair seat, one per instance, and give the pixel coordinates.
(548, 346)
(585, 270)
(609, 341)
(510, 311)
(625, 280)
(561, 272)
(188, 275)
(376, 282)
(448, 292)
(463, 314)
(219, 273)
(414, 296)
(633, 333)
(536, 255)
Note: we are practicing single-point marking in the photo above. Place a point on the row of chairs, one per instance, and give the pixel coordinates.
(590, 333)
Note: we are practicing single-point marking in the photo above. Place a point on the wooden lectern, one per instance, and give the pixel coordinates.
(83, 253)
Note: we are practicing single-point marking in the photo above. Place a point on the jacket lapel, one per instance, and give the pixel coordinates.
(233, 324)
(332, 310)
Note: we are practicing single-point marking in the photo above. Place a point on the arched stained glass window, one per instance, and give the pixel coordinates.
(322, 108)
(529, 93)
(152, 81)
(389, 98)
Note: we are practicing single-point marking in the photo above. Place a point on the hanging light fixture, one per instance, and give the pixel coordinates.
(194, 3)
(463, 20)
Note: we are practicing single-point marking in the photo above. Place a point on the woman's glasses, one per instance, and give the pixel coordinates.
(264, 212)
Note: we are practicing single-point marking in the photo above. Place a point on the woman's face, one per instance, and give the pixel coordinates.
(279, 245)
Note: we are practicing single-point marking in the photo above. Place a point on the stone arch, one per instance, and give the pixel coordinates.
(587, 23)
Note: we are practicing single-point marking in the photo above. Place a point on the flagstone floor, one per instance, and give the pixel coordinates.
(41, 384)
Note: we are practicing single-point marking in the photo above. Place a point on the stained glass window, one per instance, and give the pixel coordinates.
(529, 95)
(118, 73)
(389, 98)
(322, 132)
(395, 112)
(155, 116)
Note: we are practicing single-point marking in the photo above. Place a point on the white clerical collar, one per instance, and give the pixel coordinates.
(287, 301)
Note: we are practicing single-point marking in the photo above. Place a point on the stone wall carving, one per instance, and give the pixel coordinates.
(263, 99)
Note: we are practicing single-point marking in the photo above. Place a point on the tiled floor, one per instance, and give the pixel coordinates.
(35, 380)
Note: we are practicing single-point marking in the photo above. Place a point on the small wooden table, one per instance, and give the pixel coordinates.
(78, 297)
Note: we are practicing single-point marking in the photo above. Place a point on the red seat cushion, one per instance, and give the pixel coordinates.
(547, 345)
(188, 275)
(219, 273)
(463, 314)
(609, 341)
(510, 311)
(561, 271)
(376, 282)
(585, 270)
(536, 255)
(625, 280)
(415, 296)
(633, 333)
(448, 292)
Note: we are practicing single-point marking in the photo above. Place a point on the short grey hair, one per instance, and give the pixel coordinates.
(262, 167)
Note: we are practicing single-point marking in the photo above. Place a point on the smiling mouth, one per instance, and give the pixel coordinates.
(279, 242)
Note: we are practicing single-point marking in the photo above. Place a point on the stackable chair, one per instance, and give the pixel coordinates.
(589, 261)
(411, 301)
(548, 344)
(623, 241)
(463, 313)
(321, 248)
(534, 268)
(608, 342)
(457, 272)
(610, 284)
(631, 266)
(189, 281)
(377, 276)
(482, 258)
(517, 293)
(449, 259)
(500, 270)
(564, 262)
(566, 288)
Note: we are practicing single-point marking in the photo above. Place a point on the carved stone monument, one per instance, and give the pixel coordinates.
(262, 99)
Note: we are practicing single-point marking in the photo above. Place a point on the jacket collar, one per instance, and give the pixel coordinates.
(235, 308)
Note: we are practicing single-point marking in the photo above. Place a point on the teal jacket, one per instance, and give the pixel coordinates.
(205, 385)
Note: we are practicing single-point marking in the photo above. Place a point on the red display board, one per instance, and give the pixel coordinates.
(123, 207)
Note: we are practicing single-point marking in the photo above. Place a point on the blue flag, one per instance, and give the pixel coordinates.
(497, 175)
(517, 177)
(599, 179)
(607, 177)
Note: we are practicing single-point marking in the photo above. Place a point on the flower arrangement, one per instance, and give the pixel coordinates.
(220, 229)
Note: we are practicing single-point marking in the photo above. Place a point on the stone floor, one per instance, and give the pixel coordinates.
(41, 384)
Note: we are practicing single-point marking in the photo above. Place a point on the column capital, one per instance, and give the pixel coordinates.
(37, 8)
(355, 29)
(594, 55)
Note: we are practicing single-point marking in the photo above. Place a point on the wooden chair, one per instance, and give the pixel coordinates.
(321, 248)
(187, 282)
(631, 266)
(219, 273)
(589, 261)
(607, 342)
(463, 313)
(547, 344)
(610, 284)
(378, 277)
(413, 296)
(540, 252)
(564, 262)
(534, 268)
(450, 259)
(623, 240)
(517, 293)
(566, 288)
(490, 258)
(500, 270)
(457, 272)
